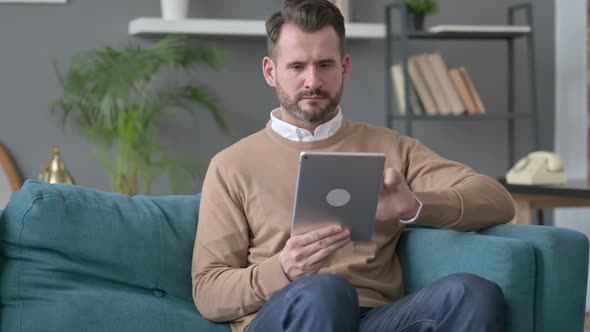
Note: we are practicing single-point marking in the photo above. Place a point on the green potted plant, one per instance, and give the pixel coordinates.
(417, 10)
(111, 96)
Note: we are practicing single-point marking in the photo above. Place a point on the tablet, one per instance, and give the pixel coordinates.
(338, 188)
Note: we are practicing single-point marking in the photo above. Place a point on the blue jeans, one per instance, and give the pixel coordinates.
(329, 303)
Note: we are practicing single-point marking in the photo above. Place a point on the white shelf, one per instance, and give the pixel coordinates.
(226, 27)
(522, 29)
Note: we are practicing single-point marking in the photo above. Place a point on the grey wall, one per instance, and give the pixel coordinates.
(31, 35)
(571, 97)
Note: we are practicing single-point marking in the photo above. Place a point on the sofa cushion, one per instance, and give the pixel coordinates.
(76, 259)
(429, 254)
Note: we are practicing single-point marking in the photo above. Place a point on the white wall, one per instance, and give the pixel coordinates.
(571, 97)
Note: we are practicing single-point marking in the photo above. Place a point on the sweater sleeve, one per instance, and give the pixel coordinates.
(453, 195)
(225, 287)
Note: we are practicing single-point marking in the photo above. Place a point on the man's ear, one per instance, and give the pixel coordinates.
(346, 68)
(268, 70)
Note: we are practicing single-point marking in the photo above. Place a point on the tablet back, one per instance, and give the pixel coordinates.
(338, 188)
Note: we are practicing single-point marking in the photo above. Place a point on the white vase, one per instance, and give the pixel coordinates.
(174, 9)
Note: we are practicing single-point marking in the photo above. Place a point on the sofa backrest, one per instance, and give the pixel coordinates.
(76, 259)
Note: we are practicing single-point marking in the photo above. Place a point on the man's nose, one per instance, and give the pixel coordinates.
(313, 80)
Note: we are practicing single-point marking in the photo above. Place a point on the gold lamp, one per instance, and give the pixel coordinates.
(55, 171)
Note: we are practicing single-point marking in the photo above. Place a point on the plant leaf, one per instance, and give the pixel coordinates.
(110, 96)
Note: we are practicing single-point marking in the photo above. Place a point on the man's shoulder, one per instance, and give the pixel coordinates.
(380, 137)
(363, 128)
(242, 149)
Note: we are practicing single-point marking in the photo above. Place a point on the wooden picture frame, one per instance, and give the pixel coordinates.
(9, 170)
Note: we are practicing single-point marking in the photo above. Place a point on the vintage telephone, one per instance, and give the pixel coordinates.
(540, 167)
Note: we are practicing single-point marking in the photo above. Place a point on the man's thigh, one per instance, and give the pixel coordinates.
(459, 302)
(323, 302)
(405, 314)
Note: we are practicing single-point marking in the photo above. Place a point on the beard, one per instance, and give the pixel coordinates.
(315, 113)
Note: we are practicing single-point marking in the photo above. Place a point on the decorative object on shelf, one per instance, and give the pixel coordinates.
(112, 97)
(55, 170)
(344, 6)
(174, 9)
(418, 10)
(538, 168)
(10, 178)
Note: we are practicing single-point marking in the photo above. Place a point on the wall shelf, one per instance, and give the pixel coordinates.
(229, 27)
(466, 35)
(508, 33)
(466, 117)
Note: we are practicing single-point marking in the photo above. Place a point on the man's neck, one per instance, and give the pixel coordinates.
(311, 126)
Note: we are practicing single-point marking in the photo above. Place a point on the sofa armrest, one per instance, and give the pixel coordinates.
(429, 254)
(562, 272)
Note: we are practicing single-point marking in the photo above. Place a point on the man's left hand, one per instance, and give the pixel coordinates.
(397, 201)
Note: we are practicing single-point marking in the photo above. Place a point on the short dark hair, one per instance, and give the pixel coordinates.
(309, 16)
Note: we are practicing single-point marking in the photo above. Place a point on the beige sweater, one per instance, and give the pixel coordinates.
(247, 205)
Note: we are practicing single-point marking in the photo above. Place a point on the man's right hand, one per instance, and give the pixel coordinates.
(307, 253)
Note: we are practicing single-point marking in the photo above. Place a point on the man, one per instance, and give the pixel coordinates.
(246, 267)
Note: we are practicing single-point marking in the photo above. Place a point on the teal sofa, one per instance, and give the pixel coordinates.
(75, 259)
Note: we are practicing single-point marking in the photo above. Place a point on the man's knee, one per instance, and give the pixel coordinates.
(323, 302)
(480, 296)
(325, 289)
(477, 289)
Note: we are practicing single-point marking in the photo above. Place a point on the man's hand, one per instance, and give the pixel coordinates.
(306, 254)
(397, 200)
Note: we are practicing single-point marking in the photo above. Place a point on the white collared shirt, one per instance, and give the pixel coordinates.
(323, 131)
(294, 133)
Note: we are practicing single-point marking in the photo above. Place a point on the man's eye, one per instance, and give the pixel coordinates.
(327, 65)
(296, 67)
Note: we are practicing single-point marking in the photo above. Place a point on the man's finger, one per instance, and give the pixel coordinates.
(328, 251)
(388, 176)
(392, 177)
(315, 235)
(326, 242)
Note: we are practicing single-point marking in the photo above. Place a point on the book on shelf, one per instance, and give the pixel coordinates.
(433, 84)
(441, 73)
(399, 88)
(422, 90)
(472, 90)
(463, 90)
(435, 89)
(480, 28)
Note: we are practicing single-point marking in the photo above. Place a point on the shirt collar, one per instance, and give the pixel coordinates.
(294, 133)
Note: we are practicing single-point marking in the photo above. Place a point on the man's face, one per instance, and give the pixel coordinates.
(308, 73)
